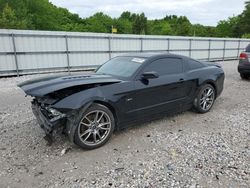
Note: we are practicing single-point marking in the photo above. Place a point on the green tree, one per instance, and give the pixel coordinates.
(244, 20)
(99, 22)
(228, 28)
(246, 35)
(159, 27)
(180, 25)
(43, 15)
(198, 30)
(127, 16)
(183, 26)
(124, 23)
(140, 24)
(8, 19)
(123, 26)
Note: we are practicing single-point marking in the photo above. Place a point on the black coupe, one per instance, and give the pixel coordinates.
(127, 89)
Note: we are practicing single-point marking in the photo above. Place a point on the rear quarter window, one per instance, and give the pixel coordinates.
(192, 64)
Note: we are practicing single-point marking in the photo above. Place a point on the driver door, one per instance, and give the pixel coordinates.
(162, 94)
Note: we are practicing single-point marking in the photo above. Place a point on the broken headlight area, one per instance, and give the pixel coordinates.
(48, 117)
(54, 114)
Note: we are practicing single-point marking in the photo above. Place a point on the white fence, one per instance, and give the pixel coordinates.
(28, 52)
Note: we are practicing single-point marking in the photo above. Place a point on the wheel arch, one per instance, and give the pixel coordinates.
(71, 126)
(110, 107)
(212, 83)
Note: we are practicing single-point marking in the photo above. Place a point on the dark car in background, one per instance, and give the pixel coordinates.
(244, 63)
(126, 90)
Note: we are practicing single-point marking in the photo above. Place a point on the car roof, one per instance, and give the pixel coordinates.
(248, 48)
(151, 54)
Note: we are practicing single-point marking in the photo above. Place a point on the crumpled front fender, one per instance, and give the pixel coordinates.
(73, 119)
(78, 100)
(76, 105)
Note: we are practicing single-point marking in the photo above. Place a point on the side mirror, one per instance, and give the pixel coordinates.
(150, 75)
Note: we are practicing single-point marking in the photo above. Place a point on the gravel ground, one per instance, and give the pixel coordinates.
(184, 150)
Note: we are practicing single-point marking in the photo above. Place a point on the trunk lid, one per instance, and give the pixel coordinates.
(213, 64)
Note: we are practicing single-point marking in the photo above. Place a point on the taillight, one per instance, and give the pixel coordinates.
(243, 56)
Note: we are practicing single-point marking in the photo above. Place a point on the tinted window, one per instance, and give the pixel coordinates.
(165, 66)
(248, 48)
(192, 64)
(121, 66)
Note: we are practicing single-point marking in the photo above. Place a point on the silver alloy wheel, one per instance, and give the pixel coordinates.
(94, 127)
(207, 98)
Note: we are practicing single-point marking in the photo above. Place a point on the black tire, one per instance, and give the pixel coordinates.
(202, 102)
(244, 76)
(83, 131)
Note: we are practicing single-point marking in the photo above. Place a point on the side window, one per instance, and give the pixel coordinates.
(192, 64)
(165, 66)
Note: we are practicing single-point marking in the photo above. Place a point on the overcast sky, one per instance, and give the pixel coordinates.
(206, 12)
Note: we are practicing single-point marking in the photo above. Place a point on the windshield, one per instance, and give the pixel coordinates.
(121, 66)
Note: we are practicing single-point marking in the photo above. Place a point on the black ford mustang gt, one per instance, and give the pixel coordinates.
(125, 90)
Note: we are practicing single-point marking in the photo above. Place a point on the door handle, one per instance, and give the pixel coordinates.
(181, 80)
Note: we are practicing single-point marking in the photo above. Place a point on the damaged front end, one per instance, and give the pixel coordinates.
(48, 118)
(58, 99)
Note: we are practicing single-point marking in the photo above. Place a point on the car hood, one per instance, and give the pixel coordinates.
(45, 85)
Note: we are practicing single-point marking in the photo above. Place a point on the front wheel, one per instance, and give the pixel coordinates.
(244, 76)
(205, 99)
(95, 127)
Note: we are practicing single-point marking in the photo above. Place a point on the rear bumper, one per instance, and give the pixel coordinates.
(244, 68)
(45, 123)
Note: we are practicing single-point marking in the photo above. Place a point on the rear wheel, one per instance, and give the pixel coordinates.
(205, 98)
(95, 127)
(244, 76)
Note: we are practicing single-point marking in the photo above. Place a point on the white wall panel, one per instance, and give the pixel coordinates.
(179, 44)
(31, 44)
(232, 44)
(7, 63)
(217, 44)
(125, 44)
(243, 44)
(216, 54)
(116, 54)
(185, 53)
(200, 44)
(6, 44)
(85, 44)
(32, 48)
(199, 54)
(41, 61)
(231, 53)
(91, 59)
(155, 44)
